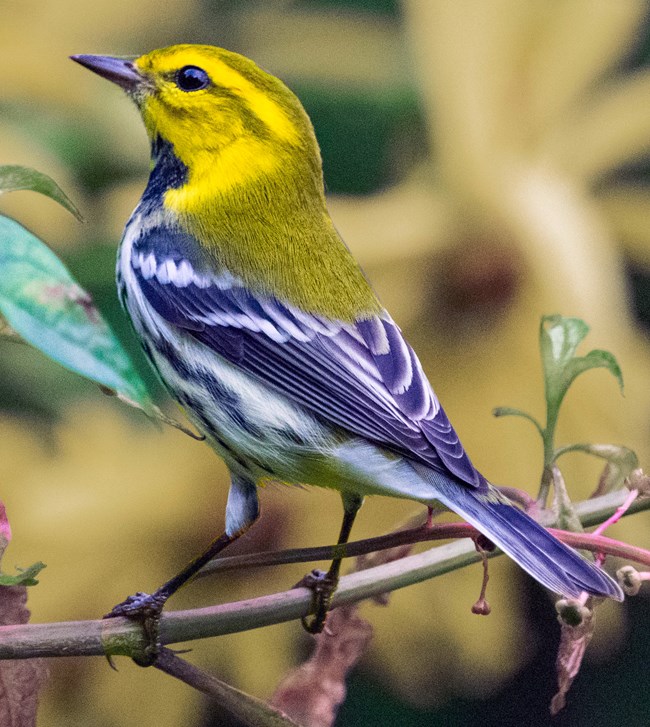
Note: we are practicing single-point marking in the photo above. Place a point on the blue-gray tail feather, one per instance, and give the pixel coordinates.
(551, 562)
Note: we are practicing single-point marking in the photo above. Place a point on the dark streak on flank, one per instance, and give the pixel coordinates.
(227, 401)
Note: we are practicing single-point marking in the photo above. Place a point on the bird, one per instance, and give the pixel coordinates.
(263, 327)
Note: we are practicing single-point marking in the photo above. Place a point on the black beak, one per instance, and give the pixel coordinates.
(119, 70)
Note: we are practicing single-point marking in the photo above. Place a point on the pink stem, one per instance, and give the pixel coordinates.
(601, 544)
(620, 511)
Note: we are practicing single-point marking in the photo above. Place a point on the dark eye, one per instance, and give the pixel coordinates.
(192, 78)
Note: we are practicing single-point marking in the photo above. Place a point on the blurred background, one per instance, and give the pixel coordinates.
(488, 162)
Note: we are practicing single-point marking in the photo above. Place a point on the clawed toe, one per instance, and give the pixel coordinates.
(137, 607)
(146, 609)
(323, 585)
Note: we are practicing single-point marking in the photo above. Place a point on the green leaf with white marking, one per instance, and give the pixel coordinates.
(43, 304)
(14, 178)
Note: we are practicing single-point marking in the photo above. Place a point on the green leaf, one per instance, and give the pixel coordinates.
(14, 178)
(621, 462)
(42, 302)
(566, 516)
(509, 411)
(25, 576)
(559, 339)
(617, 454)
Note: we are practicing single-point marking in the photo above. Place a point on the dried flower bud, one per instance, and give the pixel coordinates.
(577, 626)
(638, 480)
(482, 608)
(571, 612)
(629, 579)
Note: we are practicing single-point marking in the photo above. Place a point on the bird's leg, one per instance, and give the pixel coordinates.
(147, 608)
(242, 511)
(322, 584)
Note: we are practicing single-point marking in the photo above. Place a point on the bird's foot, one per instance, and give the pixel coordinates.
(323, 585)
(146, 609)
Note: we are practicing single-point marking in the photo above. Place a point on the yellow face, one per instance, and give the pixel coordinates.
(231, 124)
(204, 98)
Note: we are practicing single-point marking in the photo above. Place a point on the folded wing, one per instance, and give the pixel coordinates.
(362, 376)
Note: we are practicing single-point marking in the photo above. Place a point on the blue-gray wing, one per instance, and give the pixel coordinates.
(362, 377)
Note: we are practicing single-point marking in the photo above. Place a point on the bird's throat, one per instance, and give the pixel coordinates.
(220, 175)
(264, 222)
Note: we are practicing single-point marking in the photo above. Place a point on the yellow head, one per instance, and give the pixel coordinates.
(251, 190)
(209, 103)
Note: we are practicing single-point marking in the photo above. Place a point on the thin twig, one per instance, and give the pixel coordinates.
(246, 708)
(601, 544)
(591, 512)
(120, 637)
(482, 607)
(422, 534)
(620, 511)
(618, 514)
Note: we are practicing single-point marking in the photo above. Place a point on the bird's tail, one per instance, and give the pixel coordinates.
(551, 562)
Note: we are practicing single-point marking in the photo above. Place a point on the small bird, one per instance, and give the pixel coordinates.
(265, 330)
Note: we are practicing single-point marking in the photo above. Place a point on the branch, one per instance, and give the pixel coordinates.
(600, 544)
(592, 512)
(245, 707)
(121, 637)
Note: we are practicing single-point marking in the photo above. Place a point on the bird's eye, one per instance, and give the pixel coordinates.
(192, 78)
